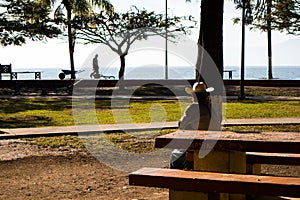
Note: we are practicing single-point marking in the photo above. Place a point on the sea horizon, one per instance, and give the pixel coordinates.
(158, 72)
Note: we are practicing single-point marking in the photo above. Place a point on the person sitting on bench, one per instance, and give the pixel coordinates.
(196, 117)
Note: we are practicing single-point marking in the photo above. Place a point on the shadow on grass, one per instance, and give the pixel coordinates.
(20, 105)
(26, 122)
(146, 90)
(17, 113)
(10, 106)
(263, 91)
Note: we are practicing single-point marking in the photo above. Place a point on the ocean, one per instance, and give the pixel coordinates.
(158, 72)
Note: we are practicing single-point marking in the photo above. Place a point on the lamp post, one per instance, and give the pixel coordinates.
(242, 83)
(269, 32)
(166, 50)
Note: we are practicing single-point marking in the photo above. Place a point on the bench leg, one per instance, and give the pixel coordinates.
(13, 75)
(187, 195)
(37, 75)
(44, 92)
(254, 169)
(223, 161)
(215, 161)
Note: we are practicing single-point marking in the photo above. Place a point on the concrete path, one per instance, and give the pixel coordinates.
(94, 129)
(81, 130)
(98, 97)
(261, 121)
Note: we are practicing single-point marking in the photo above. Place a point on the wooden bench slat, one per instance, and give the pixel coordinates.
(272, 142)
(272, 158)
(216, 182)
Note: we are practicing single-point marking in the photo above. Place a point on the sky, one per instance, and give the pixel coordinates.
(54, 52)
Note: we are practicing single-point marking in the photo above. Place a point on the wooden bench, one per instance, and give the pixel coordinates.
(14, 75)
(254, 159)
(214, 183)
(5, 69)
(222, 173)
(272, 158)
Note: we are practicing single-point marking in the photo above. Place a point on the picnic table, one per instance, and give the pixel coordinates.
(221, 174)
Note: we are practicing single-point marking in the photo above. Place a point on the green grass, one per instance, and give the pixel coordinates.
(38, 112)
(261, 109)
(154, 90)
(258, 129)
(272, 92)
(146, 90)
(143, 142)
(66, 141)
(137, 142)
(264, 91)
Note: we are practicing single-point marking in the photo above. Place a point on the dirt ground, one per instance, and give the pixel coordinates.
(32, 172)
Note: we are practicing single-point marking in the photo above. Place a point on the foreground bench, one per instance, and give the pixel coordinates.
(214, 183)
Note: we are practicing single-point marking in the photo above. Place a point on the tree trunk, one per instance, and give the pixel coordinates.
(122, 68)
(211, 40)
(71, 40)
(270, 68)
(211, 33)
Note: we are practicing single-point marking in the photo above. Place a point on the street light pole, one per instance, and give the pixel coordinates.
(166, 50)
(242, 92)
(269, 32)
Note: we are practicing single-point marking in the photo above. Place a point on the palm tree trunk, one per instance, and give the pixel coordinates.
(70, 40)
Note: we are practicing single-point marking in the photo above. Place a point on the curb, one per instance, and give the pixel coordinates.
(110, 128)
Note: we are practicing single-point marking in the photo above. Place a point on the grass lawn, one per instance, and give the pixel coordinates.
(136, 142)
(39, 112)
(260, 109)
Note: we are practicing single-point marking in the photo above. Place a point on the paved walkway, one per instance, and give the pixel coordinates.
(94, 129)
(97, 97)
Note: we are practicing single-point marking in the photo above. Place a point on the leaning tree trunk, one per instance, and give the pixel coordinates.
(122, 68)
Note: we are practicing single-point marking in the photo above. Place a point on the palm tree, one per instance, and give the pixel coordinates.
(77, 8)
